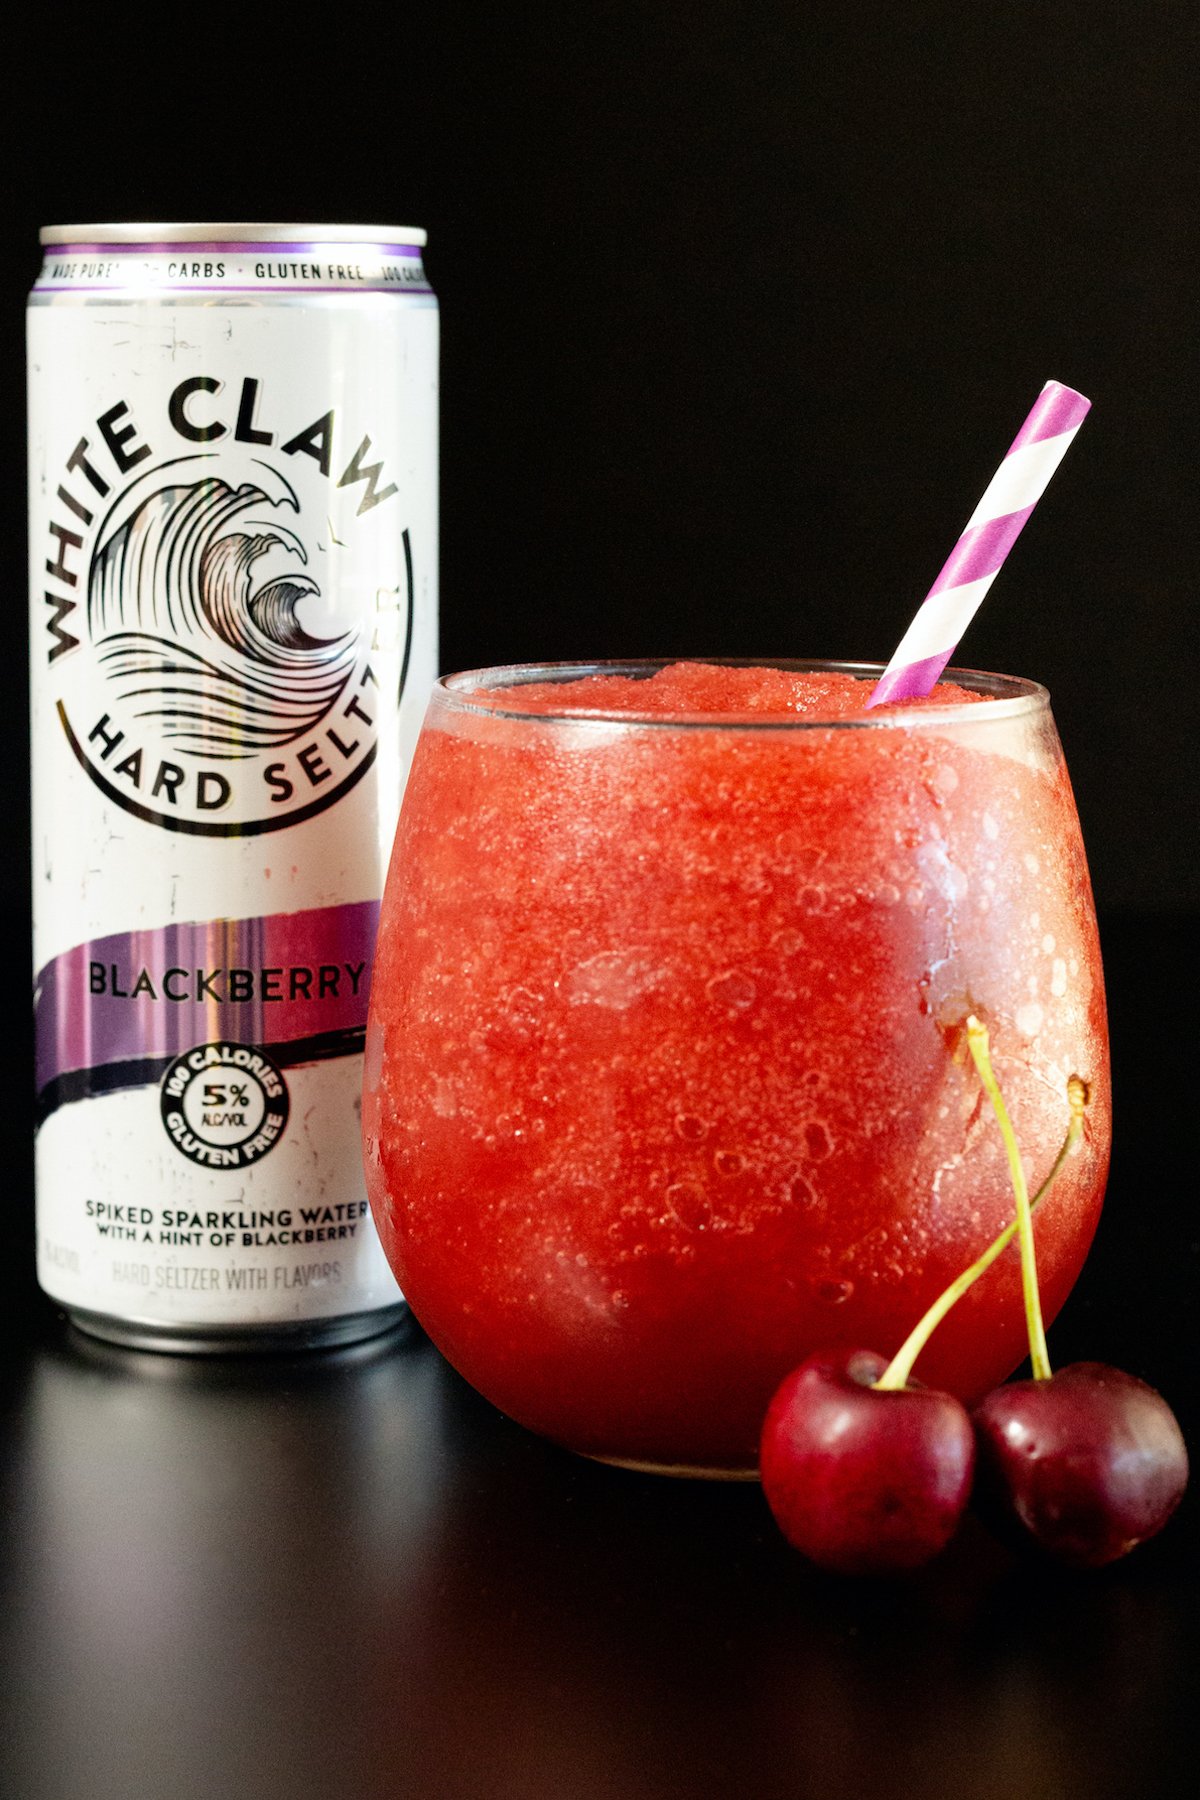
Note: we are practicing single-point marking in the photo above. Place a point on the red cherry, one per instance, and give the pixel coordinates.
(864, 1480)
(1088, 1463)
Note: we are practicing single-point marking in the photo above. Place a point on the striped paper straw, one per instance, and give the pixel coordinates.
(990, 534)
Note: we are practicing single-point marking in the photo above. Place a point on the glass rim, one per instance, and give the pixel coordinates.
(1004, 696)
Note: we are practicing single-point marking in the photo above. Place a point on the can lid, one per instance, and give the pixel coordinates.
(222, 232)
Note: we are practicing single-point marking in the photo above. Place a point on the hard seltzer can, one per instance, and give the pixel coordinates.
(233, 532)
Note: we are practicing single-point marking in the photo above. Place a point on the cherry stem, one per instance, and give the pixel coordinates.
(1039, 1355)
(901, 1366)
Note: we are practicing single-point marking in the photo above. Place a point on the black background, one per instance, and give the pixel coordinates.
(742, 303)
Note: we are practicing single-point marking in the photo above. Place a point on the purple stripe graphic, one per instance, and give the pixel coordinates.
(1057, 409)
(980, 551)
(156, 993)
(910, 681)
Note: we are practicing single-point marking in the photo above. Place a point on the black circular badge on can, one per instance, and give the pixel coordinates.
(224, 1105)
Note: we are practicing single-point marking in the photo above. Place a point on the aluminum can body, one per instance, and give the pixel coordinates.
(233, 559)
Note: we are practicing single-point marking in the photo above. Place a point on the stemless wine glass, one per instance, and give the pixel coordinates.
(667, 1082)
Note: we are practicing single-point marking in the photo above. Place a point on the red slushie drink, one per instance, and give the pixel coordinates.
(667, 1081)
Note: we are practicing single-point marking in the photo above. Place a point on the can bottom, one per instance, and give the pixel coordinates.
(272, 1338)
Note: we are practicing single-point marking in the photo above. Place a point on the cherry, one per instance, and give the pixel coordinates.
(1088, 1462)
(864, 1479)
(867, 1475)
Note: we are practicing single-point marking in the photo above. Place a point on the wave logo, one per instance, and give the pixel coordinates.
(225, 692)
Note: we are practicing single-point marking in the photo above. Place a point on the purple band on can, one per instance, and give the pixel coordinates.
(140, 997)
(367, 287)
(239, 247)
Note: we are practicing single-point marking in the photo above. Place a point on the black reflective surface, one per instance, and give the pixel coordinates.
(346, 1575)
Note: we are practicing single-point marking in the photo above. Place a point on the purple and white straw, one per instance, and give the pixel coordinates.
(990, 534)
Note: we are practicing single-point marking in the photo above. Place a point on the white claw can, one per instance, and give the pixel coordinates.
(233, 541)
